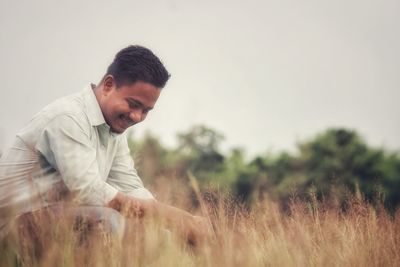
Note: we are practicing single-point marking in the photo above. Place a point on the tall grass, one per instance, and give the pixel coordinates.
(308, 234)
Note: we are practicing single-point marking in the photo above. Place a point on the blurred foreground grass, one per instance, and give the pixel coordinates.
(308, 234)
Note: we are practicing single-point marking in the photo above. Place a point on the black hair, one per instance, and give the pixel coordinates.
(136, 63)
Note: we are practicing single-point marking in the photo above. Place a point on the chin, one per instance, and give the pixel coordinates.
(117, 130)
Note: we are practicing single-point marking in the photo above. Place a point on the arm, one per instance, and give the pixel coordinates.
(123, 175)
(195, 228)
(133, 200)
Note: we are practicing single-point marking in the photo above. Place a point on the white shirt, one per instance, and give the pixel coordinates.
(66, 151)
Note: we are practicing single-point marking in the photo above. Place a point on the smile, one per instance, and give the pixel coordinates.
(126, 121)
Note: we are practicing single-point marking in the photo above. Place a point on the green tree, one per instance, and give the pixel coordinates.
(339, 159)
(200, 149)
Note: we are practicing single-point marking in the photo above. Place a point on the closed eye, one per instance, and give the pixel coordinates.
(134, 103)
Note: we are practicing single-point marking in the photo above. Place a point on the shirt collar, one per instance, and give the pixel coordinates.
(93, 110)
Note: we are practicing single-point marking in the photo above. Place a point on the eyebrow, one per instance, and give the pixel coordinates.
(139, 102)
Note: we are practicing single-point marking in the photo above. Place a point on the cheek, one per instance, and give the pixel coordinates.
(118, 109)
(112, 114)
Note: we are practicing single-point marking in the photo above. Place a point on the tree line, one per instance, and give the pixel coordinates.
(331, 166)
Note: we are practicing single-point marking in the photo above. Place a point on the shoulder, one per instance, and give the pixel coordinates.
(68, 111)
(72, 105)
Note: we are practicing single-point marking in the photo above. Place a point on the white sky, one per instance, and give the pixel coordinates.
(264, 73)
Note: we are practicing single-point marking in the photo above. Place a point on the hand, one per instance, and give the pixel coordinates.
(140, 207)
(132, 207)
(200, 230)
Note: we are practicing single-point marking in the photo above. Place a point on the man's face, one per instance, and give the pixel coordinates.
(127, 105)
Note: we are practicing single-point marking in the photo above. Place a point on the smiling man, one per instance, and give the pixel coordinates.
(126, 106)
(74, 154)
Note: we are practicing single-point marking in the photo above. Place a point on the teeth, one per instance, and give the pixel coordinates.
(126, 120)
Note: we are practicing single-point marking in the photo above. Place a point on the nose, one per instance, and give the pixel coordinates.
(136, 116)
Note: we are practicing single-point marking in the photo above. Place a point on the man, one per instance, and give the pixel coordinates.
(74, 151)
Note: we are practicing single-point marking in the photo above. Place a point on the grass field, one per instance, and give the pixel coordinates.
(308, 234)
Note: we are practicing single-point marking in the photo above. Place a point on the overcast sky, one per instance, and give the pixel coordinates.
(266, 74)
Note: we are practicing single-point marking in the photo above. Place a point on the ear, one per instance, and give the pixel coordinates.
(109, 83)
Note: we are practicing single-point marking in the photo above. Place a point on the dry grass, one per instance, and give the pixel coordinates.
(308, 235)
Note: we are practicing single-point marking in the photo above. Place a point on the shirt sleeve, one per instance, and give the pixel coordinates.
(67, 147)
(123, 174)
